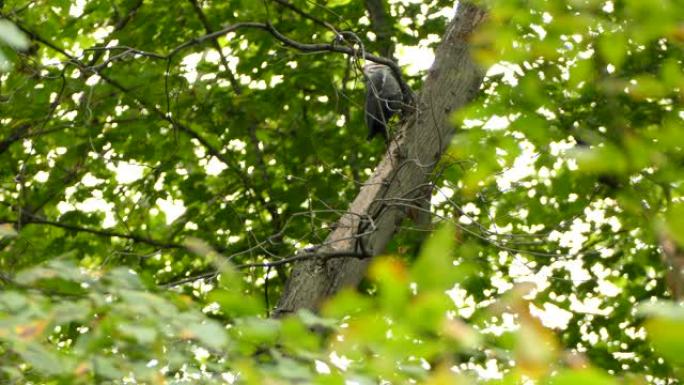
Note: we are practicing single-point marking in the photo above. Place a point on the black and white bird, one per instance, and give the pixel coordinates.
(383, 98)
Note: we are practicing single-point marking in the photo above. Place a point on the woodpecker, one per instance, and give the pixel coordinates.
(383, 98)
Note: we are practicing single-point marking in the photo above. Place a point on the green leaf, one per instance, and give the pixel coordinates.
(662, 309)
(77, 311)
(647, 87)
(236, 304)
(607, 159)
(296, 335)
(12, 301)
(105, 367)
(347, 302)
(12, 36)
(665, 330)
(210, 333)
(13, 373)
(293, 370)
(42, 359)
(613, 48)
(582, 71)
(5, 64)
(146, 303)
(337, 3)
(258, 331)
(143, 334)
(124, 278)
(312, 320)
(57, 276)
(582, 376)
(428, 311)
(7, 231)
(57, 269)
(392, 278)
(434, 269)
(675, 222)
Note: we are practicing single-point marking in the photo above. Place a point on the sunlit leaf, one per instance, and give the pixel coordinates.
(665, 330)
(337, 3)
(7, 231)
(209, 333)
(675, 222)
(12, 36)
(613, 47)
(582, 376)
(144, 335)
(105, 367)
(392, 278)
(42, 359)
(435, 268)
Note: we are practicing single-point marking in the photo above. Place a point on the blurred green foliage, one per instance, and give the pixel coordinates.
(12, 37)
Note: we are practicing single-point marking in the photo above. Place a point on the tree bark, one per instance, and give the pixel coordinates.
(673, 257)
(402, 175)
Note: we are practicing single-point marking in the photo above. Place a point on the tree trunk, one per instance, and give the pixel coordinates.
(673, 257)
(401, 177)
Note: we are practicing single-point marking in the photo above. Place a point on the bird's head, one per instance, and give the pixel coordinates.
(373, 67)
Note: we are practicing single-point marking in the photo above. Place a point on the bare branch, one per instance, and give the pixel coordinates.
(307, 15)
(103, 233)
(321, 256)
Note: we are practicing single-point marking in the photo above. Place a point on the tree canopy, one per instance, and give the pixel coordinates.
(166, 164)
